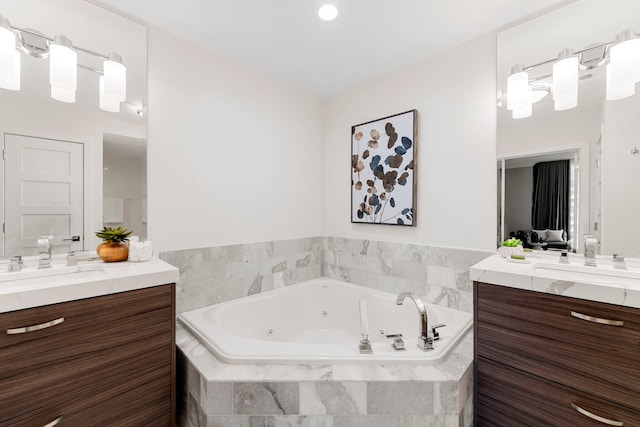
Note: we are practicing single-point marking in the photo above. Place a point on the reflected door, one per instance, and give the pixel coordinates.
(43, 194)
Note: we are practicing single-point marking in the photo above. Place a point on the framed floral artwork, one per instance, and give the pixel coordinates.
(383, 170)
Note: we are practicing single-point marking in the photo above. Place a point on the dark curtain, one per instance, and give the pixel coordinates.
(551, 196)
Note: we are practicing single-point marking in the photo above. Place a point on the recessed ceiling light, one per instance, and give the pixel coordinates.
(328, 12)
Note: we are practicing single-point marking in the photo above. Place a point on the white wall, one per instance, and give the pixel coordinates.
(518, 201)
(456, 171)
(233, 156)
(620, 231)
(125, 178)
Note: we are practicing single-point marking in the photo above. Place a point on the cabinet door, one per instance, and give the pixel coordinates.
(547, 335)
(507, 397)
(111, 356)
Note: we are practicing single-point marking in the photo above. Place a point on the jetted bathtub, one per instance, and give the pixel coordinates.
(318, 322)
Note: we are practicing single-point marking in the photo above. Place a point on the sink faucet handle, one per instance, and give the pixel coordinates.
(436, 334)
(72, 260)
(618, 261)
(16, 264)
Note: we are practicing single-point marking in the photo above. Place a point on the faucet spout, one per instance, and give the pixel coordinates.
(44, 248)
(425, 342)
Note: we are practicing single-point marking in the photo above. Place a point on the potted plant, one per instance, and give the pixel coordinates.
(510, 247)
(114, 247)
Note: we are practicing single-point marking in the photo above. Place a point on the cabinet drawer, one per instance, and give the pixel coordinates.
(108, 344)
(507, 397)
(536, 332)
(143, 400)
(89, 325)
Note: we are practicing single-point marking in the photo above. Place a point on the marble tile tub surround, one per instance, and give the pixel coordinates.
(438, 275)
(213, 393)
(222, 273)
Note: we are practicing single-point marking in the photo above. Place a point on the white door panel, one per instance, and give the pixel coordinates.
(43, 194)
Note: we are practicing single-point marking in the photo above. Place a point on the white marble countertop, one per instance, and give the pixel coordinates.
(90, 279)
(534, 274)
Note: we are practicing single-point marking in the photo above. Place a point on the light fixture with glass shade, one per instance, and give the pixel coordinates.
(7, 48)
(624, 64)
(63, 65)
(564, 85)
(63, 69)
(107, 103)
(11, 81)
(519, 92)
(622, 60)
(115, 78)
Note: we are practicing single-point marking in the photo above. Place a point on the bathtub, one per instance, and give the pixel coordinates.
(318, 322)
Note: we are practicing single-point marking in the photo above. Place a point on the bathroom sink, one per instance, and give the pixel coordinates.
(604, 269)
(55, 270)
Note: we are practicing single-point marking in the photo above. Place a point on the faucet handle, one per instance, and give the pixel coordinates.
(16, 264)
(436, 334)
(618, 261)
(71, 259)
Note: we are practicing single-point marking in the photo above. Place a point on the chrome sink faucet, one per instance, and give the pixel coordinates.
(425, 342)
(44, 249)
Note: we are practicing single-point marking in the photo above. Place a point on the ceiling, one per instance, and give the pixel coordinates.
(370, 38)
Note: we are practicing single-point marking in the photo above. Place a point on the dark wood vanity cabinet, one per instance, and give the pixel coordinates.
(109, 362)
(549, 360)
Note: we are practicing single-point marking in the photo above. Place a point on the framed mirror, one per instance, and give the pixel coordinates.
(58, 188)
(595, 140)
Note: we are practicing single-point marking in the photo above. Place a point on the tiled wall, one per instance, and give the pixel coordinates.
(222, 273)
(217, 274)
(438, 275)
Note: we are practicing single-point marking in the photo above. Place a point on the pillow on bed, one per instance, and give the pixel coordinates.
(555, 235)
(542, 235)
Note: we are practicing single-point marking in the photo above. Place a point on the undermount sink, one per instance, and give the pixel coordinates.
(604, 269)
(54, 270)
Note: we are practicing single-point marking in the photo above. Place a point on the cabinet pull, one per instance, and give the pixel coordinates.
(597, 417)
(54, 422)
(32, 328)
(597, 319)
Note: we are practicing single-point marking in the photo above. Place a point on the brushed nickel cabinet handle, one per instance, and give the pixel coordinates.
(597, 417)
(25, 329)
(54, 422)
(597, 319)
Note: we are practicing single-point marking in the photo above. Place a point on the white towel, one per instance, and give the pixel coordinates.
(112, 210)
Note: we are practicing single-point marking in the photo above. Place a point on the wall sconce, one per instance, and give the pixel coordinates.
(63, 65)
(622, 60)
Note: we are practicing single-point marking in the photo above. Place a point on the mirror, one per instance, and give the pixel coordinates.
(32, 114)
(598, 138)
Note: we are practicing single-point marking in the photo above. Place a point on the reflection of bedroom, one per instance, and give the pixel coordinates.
(540, 202)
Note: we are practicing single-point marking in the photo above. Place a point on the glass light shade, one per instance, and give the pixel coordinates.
(328, 12)
(565, 83)
(518, 90)
(107, 104)
(63, 64)
(624, 59)
(115, 78)
(12, 81)
(522, 112)
(7, 48)
(618, 91)
(63, 94)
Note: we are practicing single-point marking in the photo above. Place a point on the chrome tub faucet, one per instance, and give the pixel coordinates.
(425, 342)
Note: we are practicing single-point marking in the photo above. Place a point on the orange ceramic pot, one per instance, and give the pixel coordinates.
(113, 251)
